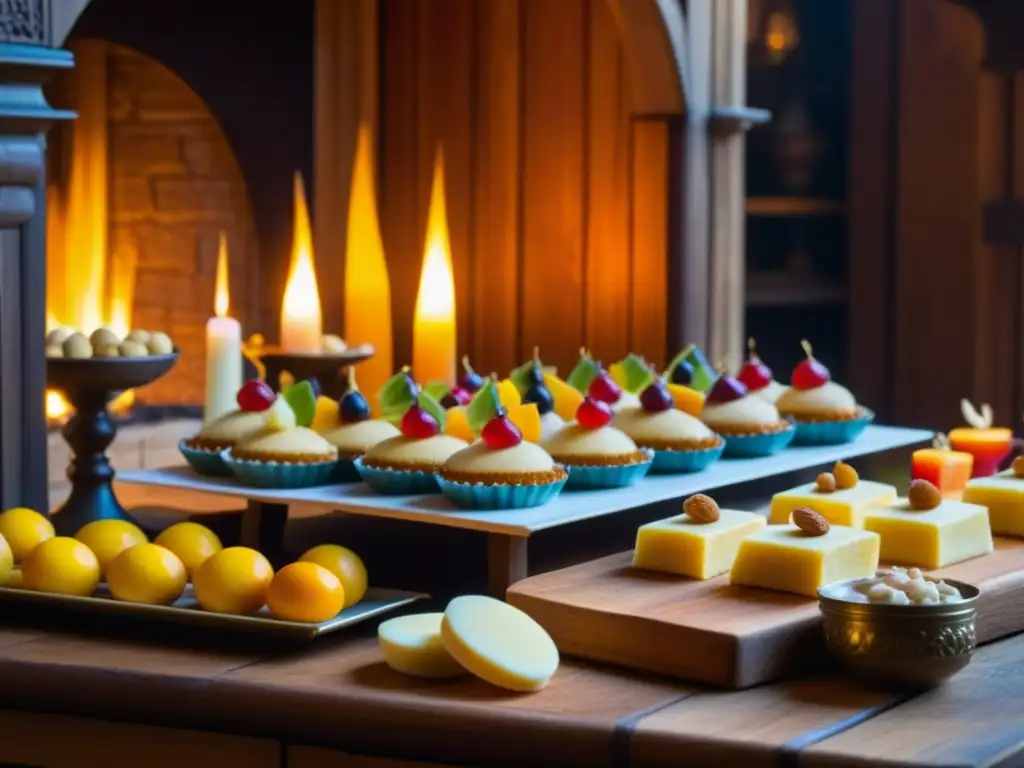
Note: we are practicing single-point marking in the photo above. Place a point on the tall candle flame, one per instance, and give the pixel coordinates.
(301, 319)
(220, 291)
(436, 297)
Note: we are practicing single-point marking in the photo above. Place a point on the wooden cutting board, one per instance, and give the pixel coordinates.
(712, 632)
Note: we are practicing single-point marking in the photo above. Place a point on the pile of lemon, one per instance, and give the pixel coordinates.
(237, 580)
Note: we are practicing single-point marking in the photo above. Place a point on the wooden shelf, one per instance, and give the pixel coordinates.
(782, 289)
(795, 206)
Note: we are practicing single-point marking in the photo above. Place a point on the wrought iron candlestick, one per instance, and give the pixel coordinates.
(89, 385)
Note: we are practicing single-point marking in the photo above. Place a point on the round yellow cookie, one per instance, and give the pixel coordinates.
(412, 645)
(498, 643)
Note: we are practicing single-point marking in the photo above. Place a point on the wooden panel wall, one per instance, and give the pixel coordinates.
(557, 198)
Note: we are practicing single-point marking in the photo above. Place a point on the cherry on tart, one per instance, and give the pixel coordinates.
(809, 373)
(500, 433)
(604, 389)
(656, 397)
(727, 389)
(754, 373)
(417, 424)
(255, 396)
(593, 414)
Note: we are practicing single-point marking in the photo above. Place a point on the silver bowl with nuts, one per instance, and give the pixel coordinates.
(901, 626)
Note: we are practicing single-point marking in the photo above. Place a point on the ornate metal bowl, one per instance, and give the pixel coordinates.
(911, 645)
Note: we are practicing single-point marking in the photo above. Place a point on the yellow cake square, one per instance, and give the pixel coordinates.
(1003, 494)
(686, 547)
(784, 558)
(842, 507)
(950, 533)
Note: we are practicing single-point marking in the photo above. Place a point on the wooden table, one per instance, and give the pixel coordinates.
(69, 701)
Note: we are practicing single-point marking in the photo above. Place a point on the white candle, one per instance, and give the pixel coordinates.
(223, 348)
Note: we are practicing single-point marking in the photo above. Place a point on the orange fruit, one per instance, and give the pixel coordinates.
(527, 418)
(343, 563)
(147, 573)
(61, 565)
(191, 542)
(567, 399)
(688, 400)
(305, 592)
(457, 425)
(508, 394)
(109, 538)
(24, 530)
(234, 580)
(326, 415)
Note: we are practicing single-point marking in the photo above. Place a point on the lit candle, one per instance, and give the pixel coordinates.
(433, 330)
(946, 469)
(223, 346)
(301, 319)
(987, 444)
(367, 287)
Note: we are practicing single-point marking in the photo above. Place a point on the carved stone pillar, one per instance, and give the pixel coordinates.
(26, 62)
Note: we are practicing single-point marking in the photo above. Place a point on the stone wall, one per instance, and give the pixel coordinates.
(174, 185)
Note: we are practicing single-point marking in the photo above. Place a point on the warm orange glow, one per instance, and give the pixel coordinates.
(301, 319)
(781, 35)
(433, 335)
(220, 291)
(367, 286)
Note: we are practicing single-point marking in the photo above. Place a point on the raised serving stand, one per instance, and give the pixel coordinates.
(713, 632)
(326, 368)
(508, 531)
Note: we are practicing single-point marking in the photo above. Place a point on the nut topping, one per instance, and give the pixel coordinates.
(846, 476)
(923, 496)
(826, 482)
(810, 522)
(702, 509)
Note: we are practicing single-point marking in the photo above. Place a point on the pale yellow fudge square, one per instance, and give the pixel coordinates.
(951, 533)
(784, 558)
(699, 550)
(845, 507)
(1003, 495)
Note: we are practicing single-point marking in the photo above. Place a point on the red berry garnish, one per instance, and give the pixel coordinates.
(500, 432)
(593, 414)
(255, 395)
(656, 398)
(726, 389)
(417, 424)
(462, 396)
(754, 373)
(604, 389)
(809, 373)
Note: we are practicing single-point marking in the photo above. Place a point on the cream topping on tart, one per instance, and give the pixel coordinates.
(360, 436)
(517, 459)
(643, 426)
(828, 398)
(403, 451)
(297, 442)
(573, 441)
(233, 427)
(748, 411)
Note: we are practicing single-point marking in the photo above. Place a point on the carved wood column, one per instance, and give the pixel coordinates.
(26, 62)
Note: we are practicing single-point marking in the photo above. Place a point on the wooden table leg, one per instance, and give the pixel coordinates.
(506, 562)
(263, 529)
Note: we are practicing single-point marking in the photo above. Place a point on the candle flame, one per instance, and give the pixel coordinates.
(436, 297)
(301, 304)
(220, 291)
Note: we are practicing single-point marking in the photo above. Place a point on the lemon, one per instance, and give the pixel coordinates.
(24, 530)
(343, 563)
(234, 580)
(6, 561)
(16, 580)
(109, 538)
(147, 573)
(305, 592)
(61, 565)
(191, 542)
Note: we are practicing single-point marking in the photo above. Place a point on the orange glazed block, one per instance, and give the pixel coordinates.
(947, 470)
(687, 400)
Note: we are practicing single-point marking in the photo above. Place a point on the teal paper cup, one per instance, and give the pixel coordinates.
(345, 472)
(495, 497)
(832, 432)
(679, 462)
(752, 446)
(583, 477)
(274, 474)
(204, 462)
(396, 482)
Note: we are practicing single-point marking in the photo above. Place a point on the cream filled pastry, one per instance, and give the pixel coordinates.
(594, 442)
(413, 453)
(228, 430)
(730, 409)
(668, 429)
(295, 445)
(758, 378)
(357, 438)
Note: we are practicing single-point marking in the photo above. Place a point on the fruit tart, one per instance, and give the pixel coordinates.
(203, 451)
(356, 432)
(530, 381)
(286, 453)
(596, 454)
(750, 425)
(825, 413)
(589, 378)
(406, 463)
(633, 374)
(758, 378)
(681, 442)
(501, 470)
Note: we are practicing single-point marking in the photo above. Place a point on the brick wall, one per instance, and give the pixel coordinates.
(174, 185)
